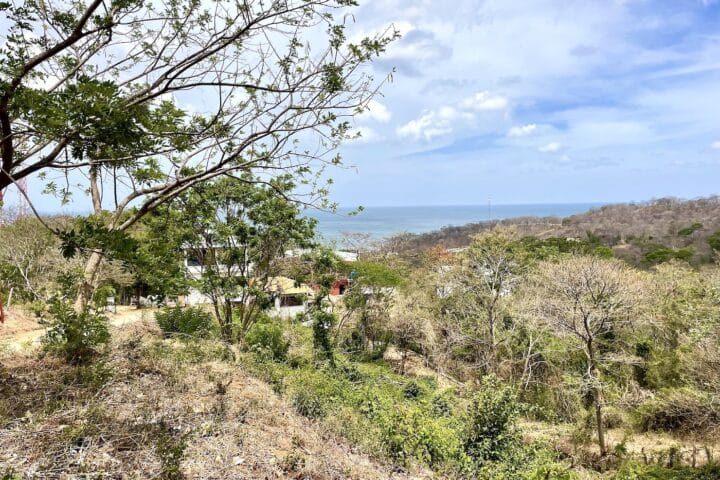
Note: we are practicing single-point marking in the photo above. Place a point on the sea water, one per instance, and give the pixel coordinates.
(381, 222)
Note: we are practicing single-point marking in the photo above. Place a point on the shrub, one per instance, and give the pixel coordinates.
(170, 449)
(101, 295)
(689, 230)
(490, 430)
(75, 336)
(412, 390)
(681, 410)
(292, 462)
(632, 470)
(322, 325)
(714, 241)
(441, 406)
(309, 404)
(267, 339)
(659, 254)
(408, 433)
(185, 321)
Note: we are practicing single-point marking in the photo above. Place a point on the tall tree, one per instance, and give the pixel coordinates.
(587, 298)
(238, 230)
(139, 100)
(479, 288)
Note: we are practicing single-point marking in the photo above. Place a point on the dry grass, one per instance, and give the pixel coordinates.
(647, 447)
(17, 322)
(153, 405)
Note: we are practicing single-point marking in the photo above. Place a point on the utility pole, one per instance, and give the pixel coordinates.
(489, 208)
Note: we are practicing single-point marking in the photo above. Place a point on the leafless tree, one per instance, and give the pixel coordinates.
(584, 298)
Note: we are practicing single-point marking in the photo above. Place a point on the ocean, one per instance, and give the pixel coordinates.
(382, 222)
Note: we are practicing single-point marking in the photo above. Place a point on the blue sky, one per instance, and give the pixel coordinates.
(533, 101)
(538, 101)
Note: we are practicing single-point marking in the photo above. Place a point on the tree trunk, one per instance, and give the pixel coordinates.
(594, 375)
(92, 266)
(597, 394)
(492, 364)
(89, 282)
(223, 313)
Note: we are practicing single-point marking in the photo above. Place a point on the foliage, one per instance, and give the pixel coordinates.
(368, 301)
(491, 430)
(70, 108)
(30, 260)
(322, 341)
(478, 293)
(318, 266)
(376, 274)
(75, 336)
(714, 241)
(659, 254)
(590, 301)
(410, 433)
(267, 338)
(682, 410)
(236, 230)
(631, 470)
(553, 247)
(308, 404)
(690, 229)
(192, 322)
(170, 449)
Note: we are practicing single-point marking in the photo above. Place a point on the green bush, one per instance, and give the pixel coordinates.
(633, 470)
(408, 434)
(170, 449)
(412, 390)
(491, 430)
(689, 230)
(185, 321)
(267, 339)
(75, 336)
(309, 404)
(714, 241)
(659, 254)
(322, 325)
(682, 410)
(440, 406)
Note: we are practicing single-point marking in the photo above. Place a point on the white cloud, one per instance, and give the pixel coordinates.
(552, 147)
(443, 120)
(376, 111)
(430, 125)
(522, 131)
(485, 102)
(715, 145)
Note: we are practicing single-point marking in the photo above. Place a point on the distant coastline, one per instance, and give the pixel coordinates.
(382, 222)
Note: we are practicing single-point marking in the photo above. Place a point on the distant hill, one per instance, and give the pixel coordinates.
(639, 232)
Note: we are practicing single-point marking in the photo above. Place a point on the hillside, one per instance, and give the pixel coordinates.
(631, 229)
(154, 408)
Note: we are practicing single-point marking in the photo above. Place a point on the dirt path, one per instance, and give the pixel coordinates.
(21, 340)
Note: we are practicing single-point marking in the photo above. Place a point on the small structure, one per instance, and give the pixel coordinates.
(339, 287)
(291, 297)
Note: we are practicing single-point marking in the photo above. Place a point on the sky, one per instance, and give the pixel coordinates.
(538, 101)
(533, 101)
